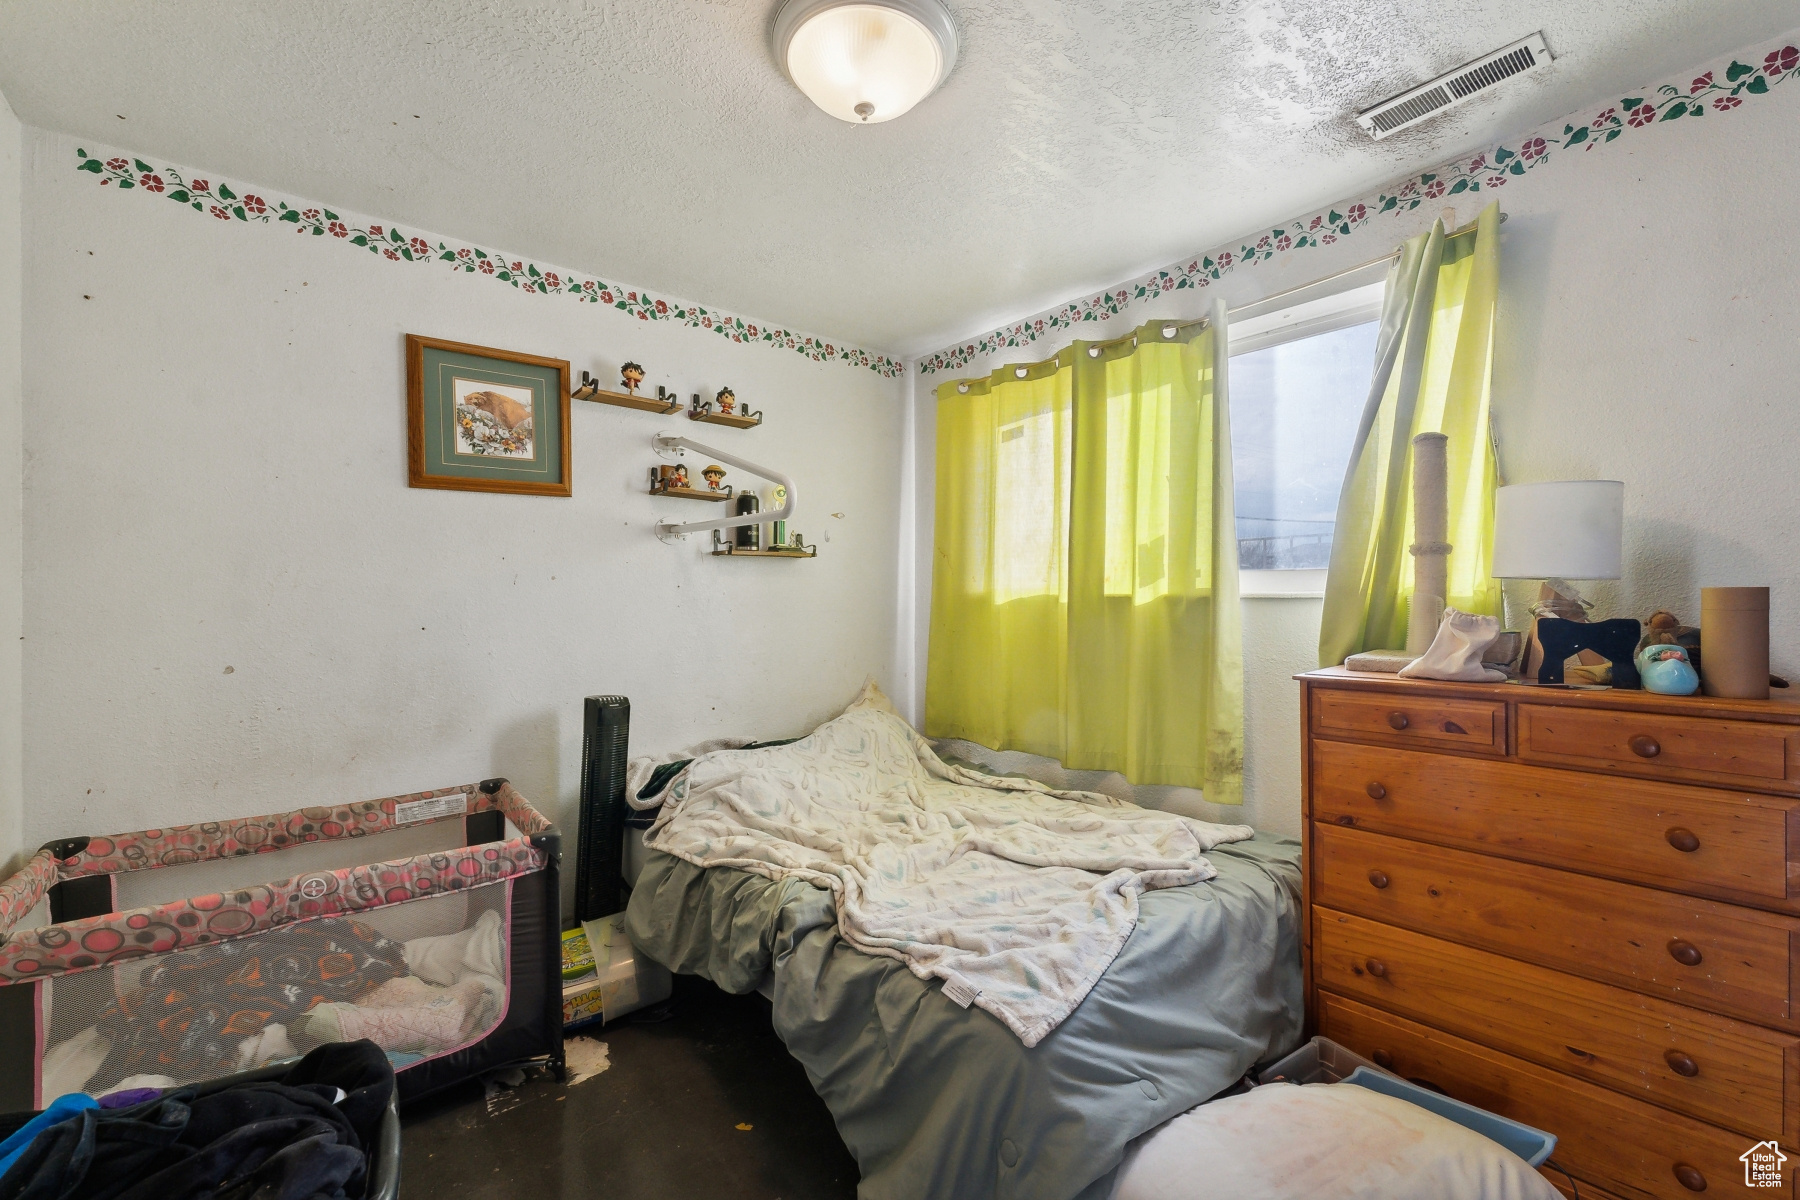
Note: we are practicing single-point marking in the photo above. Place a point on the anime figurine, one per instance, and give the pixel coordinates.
(714, 475)
(1664, 668)
(631, 375)
(679, 478)
(727, 400)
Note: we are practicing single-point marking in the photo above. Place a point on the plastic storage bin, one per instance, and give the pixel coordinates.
(1320, 1060)
(1532, 1145)
(622, 980)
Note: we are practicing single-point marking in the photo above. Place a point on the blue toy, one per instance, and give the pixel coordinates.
(1666, 669)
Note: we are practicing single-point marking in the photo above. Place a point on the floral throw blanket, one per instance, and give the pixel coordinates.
(1016, 896)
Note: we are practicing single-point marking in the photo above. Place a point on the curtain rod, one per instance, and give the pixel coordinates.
(1172, 329)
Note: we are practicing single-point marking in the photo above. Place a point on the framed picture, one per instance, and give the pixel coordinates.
(484, 420)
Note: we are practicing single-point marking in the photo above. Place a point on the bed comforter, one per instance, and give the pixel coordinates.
(940, 1101)
(1016, 895)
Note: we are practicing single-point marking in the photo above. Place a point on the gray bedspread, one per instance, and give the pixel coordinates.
(937, 1101)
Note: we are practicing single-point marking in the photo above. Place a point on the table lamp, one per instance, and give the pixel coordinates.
(1569, 529)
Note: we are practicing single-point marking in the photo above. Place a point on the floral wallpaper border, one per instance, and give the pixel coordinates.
(1717, 91)
(225, 203)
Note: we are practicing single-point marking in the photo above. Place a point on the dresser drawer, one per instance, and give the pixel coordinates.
(1475, 726)
(1589, 1191)
(1614, 1140)
(1694, 749)
(1702, 953)
(1720, 1070)
(1674, 836)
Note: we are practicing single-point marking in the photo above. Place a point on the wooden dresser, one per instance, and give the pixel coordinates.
(1578, 909)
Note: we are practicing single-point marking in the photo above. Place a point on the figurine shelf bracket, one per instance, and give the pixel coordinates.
(669, 446)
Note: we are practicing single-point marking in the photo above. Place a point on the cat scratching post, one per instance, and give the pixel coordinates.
(1431, 525)
(1431, 571)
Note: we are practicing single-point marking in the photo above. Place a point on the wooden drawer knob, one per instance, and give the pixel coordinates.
(1683, 839)
(1382, 1059)
(1683, 952)
(1376, 791)
(1379, 879)
(1377, 968)
(1645, 746)
(1398, 720)
(1690, 1177)
(1681, 1064)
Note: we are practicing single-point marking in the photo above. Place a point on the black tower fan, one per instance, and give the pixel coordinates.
(600, 867)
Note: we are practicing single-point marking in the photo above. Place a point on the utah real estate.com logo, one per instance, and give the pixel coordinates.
(1762, 1165)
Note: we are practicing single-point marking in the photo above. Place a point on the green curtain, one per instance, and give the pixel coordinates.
(1084, 588)
(1433, 362)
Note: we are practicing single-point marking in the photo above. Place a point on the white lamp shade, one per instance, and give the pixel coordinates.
(1572, 529)
(865, 62)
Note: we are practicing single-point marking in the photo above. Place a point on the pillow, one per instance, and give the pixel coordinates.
(872, 696)
(1320, 1141)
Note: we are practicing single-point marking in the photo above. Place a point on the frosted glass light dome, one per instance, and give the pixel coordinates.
(865, 62)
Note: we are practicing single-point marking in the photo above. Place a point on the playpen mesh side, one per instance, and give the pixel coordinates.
(210, 876)
(242, 909)
(422, 979)
(179, 845)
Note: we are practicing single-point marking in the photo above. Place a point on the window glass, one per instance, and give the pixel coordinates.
(1294, 412)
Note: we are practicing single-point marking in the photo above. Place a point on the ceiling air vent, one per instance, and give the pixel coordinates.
(1448, 90)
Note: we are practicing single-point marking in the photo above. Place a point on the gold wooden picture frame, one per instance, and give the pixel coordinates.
(485, 420)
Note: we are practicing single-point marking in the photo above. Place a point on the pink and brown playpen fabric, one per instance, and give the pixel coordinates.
(427, 922)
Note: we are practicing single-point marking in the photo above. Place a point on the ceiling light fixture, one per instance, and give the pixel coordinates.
(865, 61)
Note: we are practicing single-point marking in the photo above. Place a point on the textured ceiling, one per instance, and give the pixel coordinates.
(1077, 143)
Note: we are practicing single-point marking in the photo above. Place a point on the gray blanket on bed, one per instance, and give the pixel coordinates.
(935, 1100)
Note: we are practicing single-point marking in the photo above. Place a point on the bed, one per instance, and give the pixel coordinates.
(937, 1099)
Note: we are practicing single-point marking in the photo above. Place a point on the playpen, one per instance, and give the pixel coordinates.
(428, 923)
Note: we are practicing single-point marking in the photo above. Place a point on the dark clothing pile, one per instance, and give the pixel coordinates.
(291, 1138)
(190, 1013)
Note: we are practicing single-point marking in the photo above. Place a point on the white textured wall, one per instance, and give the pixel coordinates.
(12, 810)
(1647, 332)
(217, 479)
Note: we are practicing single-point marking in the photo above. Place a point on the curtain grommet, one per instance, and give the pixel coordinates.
(1093, 352)
(1170, 331)
(1021, 372)
(963, 388)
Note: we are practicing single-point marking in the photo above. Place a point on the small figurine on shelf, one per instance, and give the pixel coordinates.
(631, 375)
(590, 387)
(678, 478)
(714, 475)
(1664, 628)
(727, 400)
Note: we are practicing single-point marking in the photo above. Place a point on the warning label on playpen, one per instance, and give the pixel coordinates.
(453, 805)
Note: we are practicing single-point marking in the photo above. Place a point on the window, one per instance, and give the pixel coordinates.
(1299, 380)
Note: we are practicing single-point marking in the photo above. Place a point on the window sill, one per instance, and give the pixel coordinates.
(1281, 585)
